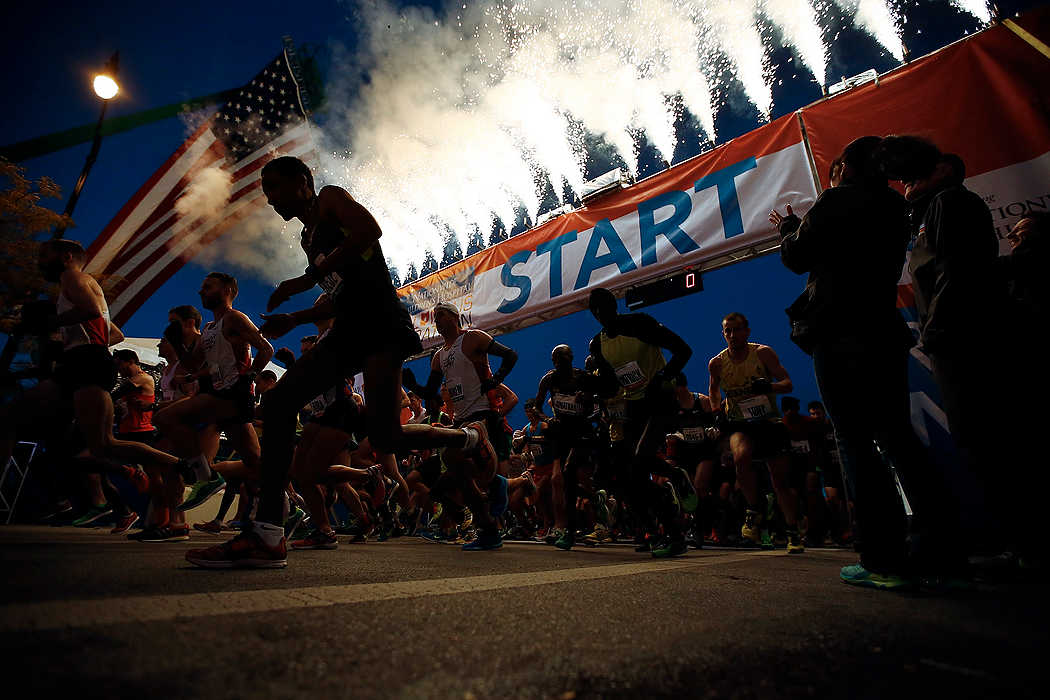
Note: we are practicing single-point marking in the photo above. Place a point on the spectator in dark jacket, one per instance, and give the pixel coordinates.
(958, 294)
(853, 243)
(1025, 269)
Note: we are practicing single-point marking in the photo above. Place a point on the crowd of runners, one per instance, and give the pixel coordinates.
(620, 447)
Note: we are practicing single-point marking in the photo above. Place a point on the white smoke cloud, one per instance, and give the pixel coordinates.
(206, 196)
(262, 245)
(467, 114)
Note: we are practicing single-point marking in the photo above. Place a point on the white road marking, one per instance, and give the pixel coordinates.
(53, 615)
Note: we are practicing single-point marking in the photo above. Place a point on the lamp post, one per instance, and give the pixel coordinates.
(105, 85)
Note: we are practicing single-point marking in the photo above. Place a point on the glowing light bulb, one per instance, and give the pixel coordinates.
(106, 87)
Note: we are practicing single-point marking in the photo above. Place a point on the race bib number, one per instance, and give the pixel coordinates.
(332, 283)
(630, 375)
(694, 435)
(800, 447)
(755, 407)
(455, 392)
(567, 403)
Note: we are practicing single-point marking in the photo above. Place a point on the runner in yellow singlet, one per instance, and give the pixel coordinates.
(750, 375)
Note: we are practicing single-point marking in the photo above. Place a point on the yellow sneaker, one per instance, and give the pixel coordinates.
(751, 529)
(794, 542)
(595, 538)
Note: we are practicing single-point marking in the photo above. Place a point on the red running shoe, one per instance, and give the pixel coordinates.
(123, 524)
(247, 550)
(212, 526)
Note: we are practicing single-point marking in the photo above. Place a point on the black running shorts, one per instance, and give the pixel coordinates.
(86, 365)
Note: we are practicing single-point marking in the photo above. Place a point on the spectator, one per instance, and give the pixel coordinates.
(1025, 268)
(853, 244)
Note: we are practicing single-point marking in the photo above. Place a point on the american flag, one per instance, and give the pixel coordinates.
(148, 241)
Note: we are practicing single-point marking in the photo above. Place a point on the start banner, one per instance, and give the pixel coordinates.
(700, 210)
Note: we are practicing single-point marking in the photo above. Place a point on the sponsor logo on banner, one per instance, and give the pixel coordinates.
(1012, 192)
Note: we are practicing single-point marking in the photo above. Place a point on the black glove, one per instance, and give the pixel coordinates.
(761, 386)
(489, 384)
(286, 357)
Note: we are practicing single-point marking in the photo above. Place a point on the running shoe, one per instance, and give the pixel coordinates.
(643, 544)
(498, 499)
(201, 491)
(137, 476)
(857, 575)
(541, 535)
(124, 523)
(432, 535)
(212, 527)
(767, 540)
(694, 539)
(234, 525)
(295, 519)
(92, 514)
(750, 529)
(318, 539)
(57, 513)
(686, 491)
(530, 483)
(794, 542)
(484, 542)
(246, 550)
(597, 536)
(947, 584)
(565, 542)
(669, 547)
(161, 533)
(376, 485)
(553, 535)
(484, 448)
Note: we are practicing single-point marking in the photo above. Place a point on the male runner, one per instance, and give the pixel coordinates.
(85, 372)
(341, 239)
(572, 400)
(698, 452)
(633, 373)
(751, 375)
(461, 366)
(226, 397)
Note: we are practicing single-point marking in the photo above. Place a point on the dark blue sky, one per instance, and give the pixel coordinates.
(205, 47)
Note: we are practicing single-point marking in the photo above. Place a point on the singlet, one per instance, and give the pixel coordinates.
(139, 418)
(168, 390)
(93, 332)
(462, 380)
(539, 454)
(740, 403)
(691, 422)
(563, 392)
(226, 361)
(634, 362)
(362, 290)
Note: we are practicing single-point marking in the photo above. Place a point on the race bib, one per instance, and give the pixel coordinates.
(455, 392)
(800, 447)
(630, 375)
(567, 403)
(617, 410)
(332, 283)
(694, 435)
(755, 407)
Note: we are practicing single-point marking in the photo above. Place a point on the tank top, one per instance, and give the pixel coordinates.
(462, 380)
(338, 392)
(362, 290)
(168, 390)
(139, 418)
(226, 362)
(692, 422)
(740, 403)
(563, 391)
(93, 332)
(634, 362)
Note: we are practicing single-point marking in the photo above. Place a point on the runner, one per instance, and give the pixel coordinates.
(751, 375)
(698, 451)
(634, 375)
(136, 425)
(341, 239)
(226, 397)
(570, 435)
(86, 371)
(461, 366)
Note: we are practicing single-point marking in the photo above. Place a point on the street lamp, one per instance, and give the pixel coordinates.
(105, 85)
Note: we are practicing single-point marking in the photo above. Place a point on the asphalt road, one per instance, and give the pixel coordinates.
(87, 614)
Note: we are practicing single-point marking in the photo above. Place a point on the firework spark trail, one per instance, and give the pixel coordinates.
(467, 116)
(977, 8)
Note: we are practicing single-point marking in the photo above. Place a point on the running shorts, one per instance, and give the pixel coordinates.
(768, 438)
(240, 394)
(86, 365)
